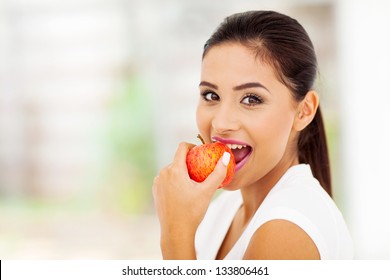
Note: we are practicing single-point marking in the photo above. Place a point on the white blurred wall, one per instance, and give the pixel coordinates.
(364, 59)
(60, 63)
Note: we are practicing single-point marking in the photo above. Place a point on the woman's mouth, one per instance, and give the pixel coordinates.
(241, 150)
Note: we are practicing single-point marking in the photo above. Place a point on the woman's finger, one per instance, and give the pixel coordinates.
(215, 179)
(181, 154)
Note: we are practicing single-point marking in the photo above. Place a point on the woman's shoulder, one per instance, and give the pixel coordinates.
(281, 239)
(299, 199)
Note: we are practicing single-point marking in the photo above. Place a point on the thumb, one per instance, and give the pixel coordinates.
(215, 179)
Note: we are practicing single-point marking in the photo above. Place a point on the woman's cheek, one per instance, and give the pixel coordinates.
(203, 121)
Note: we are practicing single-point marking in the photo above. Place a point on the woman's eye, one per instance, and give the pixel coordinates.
(210, 96)
(252, 100)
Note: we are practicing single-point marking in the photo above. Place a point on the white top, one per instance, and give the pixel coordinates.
(297, 197)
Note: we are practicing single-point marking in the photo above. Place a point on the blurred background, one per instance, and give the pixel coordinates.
(95, 95)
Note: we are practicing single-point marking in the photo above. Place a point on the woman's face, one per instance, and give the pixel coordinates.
(243, 104)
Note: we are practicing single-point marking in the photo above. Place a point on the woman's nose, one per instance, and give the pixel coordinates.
(225, 120)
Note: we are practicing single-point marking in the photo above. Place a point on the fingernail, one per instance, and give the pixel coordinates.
(226, 158)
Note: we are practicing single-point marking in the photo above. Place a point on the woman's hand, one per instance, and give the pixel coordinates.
(181, 203)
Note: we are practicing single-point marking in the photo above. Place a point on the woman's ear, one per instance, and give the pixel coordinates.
(306, 111)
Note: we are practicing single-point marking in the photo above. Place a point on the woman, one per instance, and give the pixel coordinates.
(256, 95)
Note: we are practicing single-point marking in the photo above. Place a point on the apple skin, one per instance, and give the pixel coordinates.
(201, 161)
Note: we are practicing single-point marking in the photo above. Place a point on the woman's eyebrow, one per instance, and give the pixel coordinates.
(250, 85)
(239, 87)
(207, 84)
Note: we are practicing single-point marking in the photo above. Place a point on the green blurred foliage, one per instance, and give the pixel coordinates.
(131, 147)
(332, 129)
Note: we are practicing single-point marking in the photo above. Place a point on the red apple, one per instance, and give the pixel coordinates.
(201, 161)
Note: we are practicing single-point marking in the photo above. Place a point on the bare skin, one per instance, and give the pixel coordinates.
(181, 204)
(241, 98)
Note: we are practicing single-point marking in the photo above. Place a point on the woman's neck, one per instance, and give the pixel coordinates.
(254, 195)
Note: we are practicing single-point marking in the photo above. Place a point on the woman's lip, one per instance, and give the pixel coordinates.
(228, 141)
(243, 161)
(233, 141)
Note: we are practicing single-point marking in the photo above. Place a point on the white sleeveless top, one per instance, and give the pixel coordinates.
(297, 197)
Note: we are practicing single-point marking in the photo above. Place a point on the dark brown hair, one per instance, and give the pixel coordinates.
(283, 43)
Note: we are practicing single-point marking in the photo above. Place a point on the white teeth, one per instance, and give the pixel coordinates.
(235, 146)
